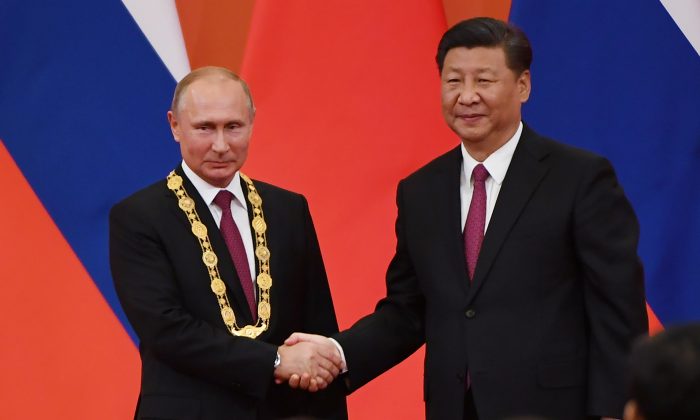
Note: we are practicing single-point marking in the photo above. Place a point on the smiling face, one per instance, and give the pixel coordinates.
(213, 124)
(482, 97)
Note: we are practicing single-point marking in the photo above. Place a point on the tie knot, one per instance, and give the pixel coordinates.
(223, 199)
(480, 173)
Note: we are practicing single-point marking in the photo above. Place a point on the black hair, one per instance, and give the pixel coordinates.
(664, 374)
(488, 32)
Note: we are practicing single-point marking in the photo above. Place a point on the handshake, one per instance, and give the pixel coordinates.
(309, 362)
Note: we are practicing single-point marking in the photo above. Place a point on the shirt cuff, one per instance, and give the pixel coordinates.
(342, 355)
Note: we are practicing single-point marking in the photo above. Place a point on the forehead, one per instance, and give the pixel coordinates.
(475, 59)
(213, 87)
(214, 93)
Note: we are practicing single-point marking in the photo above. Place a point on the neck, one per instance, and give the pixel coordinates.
(481, 150)
(480, 153)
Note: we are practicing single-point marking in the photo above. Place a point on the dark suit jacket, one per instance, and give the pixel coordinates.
(192, 367)
(557, 296)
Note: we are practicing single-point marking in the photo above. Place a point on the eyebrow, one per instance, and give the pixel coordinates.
(201, 122)
(478, 70)
(210, 122)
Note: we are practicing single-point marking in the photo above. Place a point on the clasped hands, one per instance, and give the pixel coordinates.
(307, 361)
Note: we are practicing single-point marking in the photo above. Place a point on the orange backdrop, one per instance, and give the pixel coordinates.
(49, 370)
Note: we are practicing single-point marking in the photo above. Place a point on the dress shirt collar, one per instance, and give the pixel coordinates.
(497, 163)
(208, 192)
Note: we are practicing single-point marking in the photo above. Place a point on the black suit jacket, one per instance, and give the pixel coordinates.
(192, 367)
(557, 296)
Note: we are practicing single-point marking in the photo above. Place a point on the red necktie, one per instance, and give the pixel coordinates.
(476, 219)
(234, 243)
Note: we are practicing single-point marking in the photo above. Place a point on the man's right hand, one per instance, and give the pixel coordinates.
(309, 365)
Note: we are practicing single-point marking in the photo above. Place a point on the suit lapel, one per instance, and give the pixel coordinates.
(447, 218)
(226, 268)
(526, 170)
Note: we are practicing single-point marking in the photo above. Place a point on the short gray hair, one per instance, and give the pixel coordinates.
(203, 72)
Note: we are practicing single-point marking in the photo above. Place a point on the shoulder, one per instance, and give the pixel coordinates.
(148, 200)
(449, 162)
(564, 154)
(568, 166)
(282, 204)
(277, 194)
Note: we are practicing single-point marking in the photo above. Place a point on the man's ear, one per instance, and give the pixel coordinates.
(524, 86)
(174, 126)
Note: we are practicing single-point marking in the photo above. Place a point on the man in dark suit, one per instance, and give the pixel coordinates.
(515, 261)
(194, 257)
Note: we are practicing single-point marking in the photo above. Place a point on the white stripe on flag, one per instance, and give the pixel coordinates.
(160, 23)
(686, 13)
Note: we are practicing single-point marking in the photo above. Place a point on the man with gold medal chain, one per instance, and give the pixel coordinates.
(214, 271)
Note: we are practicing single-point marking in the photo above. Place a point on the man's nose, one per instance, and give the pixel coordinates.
(219, 145)
(468, 94)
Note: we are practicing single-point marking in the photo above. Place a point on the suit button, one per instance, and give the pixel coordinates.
(471, 313)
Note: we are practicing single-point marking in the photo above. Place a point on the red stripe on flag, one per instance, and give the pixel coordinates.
(654, 323)
(64, 354)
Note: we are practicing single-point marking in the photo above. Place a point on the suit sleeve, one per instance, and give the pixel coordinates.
(395, 329)
(606, 237)
(146, 286)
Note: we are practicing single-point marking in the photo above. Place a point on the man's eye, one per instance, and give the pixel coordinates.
(232, 126)
(484, 81)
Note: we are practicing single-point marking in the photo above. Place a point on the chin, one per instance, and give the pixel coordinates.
(471, 136)
(470, 130)
(219, 180)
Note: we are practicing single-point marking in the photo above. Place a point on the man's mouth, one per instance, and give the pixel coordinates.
(470, 117)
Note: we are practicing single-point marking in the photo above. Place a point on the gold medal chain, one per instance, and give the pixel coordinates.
(210, 260)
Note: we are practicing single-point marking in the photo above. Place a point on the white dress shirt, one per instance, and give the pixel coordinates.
(497, 165)
(239, 210)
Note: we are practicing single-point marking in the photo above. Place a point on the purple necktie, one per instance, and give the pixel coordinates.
(234, 243)
(476, 219)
